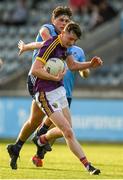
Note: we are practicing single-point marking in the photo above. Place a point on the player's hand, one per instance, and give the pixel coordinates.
(21, 45)
(60, 75)
(84, 73)
(96, 62)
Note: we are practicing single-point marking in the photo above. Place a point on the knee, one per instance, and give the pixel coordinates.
(34, 121)
(68, 133)
(59, 134)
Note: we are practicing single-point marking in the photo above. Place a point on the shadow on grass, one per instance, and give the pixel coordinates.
(41, 168)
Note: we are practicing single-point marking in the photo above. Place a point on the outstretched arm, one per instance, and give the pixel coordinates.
(29, 47)
(44, 33)
(77, 66)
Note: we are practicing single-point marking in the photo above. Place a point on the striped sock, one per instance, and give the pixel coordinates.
(42, 140)
(85, 162)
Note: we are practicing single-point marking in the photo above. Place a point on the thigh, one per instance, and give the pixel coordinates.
(36, 112)
(60, 121)
(67, 115)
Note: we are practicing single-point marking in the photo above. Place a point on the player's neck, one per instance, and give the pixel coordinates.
(60, 40)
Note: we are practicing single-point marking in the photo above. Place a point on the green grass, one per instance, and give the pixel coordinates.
(61, 163)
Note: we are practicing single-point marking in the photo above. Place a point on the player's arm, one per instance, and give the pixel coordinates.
(39, 71)
(29, 47)
(77, 66)
(45, 34)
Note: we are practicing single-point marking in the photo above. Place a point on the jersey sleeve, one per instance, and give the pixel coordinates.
(82, 57)
(77, 53)
(51, 29)
(69, 51)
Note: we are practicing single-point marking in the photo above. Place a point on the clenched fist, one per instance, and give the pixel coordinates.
(96, 61)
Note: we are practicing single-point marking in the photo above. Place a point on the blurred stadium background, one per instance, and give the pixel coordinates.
(97, 107)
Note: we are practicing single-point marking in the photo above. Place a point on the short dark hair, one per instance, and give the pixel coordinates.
(62, 10)
(73, 27)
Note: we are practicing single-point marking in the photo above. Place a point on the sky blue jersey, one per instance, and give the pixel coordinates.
(69, 77)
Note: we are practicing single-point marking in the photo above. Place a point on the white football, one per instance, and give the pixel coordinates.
(54, 66)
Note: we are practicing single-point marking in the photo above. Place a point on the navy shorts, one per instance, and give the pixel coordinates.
(69, 101)
(30, 86)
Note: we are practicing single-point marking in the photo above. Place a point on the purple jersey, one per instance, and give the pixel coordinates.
(51, 49)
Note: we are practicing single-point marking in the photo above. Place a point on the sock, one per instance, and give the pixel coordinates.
(19, 144)
(42, 140)
(42, 130)
(85, 162)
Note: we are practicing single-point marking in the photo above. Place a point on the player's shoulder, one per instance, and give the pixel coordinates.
(76, 49)
(77, 52)
(49, 26)
(51, 29)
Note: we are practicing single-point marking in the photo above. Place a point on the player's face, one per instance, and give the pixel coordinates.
(60, 22)
(68, 39)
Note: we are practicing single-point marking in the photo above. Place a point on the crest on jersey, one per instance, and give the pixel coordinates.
(55, 105)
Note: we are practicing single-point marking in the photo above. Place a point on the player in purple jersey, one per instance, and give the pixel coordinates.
(60, 17)
(69, 78)
(50, 93)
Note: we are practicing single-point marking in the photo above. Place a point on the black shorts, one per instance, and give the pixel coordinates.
(30, 86)
(69, 101)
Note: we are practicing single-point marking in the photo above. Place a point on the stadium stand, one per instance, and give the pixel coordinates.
(106, 41)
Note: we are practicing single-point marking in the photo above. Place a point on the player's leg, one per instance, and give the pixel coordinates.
(29, 127)
(44, 126)
(35, 119)
(64, 126)
(54, 132)
(60, 121)
(47, 101)
(41, 151)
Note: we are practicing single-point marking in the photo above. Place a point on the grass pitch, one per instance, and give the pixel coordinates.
(62, 164)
